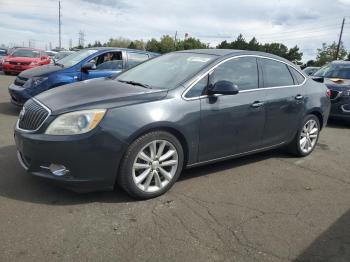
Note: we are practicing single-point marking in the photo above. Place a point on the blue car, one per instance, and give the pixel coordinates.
(79, 66)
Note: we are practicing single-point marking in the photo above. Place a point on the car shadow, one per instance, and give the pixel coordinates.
(7, 108)
(16, 184)
(232, 163)
(332, 245)
(338, 123)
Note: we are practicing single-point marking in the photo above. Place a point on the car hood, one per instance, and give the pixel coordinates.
(337, 84)
(96, 93)
(40, 71)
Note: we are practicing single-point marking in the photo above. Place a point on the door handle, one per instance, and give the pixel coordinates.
(257, 104)
(299, 97)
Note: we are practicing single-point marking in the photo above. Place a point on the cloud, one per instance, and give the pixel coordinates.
(297, 22)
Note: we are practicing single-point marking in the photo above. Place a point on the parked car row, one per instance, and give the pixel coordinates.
(78, 66)
(140, 128)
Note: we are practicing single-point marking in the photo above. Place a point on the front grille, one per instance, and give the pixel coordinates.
(19, 63)
(32, 116)
(334, 94)
(20, 81)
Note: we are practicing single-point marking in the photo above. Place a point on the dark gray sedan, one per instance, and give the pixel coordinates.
(176, 111)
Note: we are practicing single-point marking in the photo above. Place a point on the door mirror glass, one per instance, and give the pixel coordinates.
(223, 87)
(88, 66)
(319, 79)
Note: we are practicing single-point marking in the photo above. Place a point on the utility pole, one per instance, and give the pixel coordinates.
(59, 24)
(81, 38)
(340, 36)
(175, 39)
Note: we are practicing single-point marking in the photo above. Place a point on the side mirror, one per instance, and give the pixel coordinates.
(88, 66)
(319, 79)
(223, 87)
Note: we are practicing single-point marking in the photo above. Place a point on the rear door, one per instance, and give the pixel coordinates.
(232, 124)
(283, 101)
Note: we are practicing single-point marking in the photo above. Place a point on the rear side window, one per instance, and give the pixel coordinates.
(276, 73)
(136, 58)
(242, 72)
(299, 78)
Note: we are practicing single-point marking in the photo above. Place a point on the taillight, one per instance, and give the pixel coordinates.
(329, 93)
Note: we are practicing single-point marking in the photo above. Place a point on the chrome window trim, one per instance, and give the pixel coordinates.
(33, 131)
(209, 71)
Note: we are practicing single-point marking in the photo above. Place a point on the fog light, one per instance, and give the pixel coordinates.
(58, 170)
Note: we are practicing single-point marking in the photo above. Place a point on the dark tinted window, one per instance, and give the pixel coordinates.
(276, 74)
(111, 65)
(197, 89)
(242, 72)
(335, 70)
(136, 58)
(297, 76)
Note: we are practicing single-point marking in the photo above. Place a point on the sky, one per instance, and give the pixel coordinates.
(304, 23)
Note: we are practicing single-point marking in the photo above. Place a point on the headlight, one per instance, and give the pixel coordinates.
(33, 63)
(6, 62)
(75, 123)
(34, 81)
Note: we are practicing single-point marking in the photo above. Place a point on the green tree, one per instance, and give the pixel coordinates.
(118, 42)
(327, 53)
(294, 54)
(153, 45)
(166, 44)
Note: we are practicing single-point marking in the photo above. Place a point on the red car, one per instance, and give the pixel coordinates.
(24, 58)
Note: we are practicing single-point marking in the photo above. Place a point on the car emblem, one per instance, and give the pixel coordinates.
(21, 114)
(18, 63)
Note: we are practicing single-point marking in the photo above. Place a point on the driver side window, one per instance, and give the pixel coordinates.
(108, 61)
(242, 72)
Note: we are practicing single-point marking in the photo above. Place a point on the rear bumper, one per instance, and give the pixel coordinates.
(340, 108)
(91, 160)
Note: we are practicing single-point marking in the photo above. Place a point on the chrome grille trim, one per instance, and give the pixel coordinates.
(39, 121)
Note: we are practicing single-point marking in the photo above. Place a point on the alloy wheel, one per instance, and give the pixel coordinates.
(155, 165)
(309, 136)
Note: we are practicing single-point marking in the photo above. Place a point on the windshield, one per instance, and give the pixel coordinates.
(76, 57)
(26, 53)
(167, 71)
(335, 71)
(60, 55)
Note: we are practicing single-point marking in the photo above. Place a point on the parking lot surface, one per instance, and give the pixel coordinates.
(265, 207)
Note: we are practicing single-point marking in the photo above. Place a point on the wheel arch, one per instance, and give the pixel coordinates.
(318, 114)
(167, 128)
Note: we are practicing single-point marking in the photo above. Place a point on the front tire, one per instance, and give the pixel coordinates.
(151, 165)
(307, 137)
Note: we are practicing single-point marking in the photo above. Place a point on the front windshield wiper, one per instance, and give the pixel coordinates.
(135, 83)
(58, 64)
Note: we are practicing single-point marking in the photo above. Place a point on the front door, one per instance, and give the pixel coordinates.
(107, 64)
(233, 124)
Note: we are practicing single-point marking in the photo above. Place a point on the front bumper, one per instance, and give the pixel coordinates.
(92, 159)
(341, 107)
(15, 68)
(19, 95)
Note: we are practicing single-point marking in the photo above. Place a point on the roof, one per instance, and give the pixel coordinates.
(340, 62)
(118, 48)
(234, 52)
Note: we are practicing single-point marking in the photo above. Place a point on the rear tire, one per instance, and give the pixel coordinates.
(151, 165)
(306, 138)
